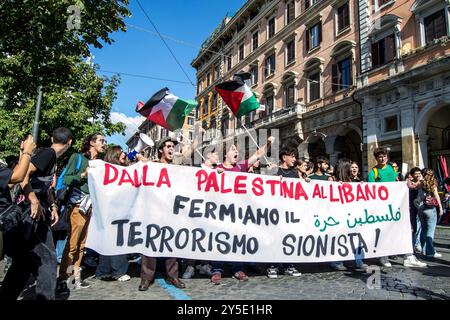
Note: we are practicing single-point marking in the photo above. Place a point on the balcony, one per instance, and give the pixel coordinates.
(280, 115)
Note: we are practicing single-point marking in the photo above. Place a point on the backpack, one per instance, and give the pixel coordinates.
(375, 171)
(61, 188)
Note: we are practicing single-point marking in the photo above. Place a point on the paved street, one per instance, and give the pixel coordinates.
(316, 282)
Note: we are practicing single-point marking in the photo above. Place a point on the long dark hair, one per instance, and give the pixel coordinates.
(86, 146)
(113, 154)
(342, 171)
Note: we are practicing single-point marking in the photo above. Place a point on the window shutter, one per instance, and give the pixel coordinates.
(375, 55)
(335, 77)
(390, 48)
(308, 37)
(346, 16)
(319, 26)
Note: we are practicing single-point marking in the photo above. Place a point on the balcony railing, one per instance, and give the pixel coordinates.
(277, 115)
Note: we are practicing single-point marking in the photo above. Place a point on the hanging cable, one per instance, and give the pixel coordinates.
(165, 43)
(143, 76)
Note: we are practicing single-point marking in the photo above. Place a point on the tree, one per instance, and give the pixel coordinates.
(84, 107)
(37, 46)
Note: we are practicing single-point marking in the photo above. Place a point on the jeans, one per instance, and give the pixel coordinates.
(116, 266)
(60, 245)
(428, 219)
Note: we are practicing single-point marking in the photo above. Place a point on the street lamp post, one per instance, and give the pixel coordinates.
(37, 114)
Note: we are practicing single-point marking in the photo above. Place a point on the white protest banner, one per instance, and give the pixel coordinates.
(165, 210)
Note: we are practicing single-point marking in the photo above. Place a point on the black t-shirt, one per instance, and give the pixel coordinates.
(45, 162)
(288, 173)
(5, 195)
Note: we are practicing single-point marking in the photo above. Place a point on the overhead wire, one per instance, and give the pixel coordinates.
(165, 43)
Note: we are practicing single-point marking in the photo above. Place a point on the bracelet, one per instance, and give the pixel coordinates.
(54, 205)
(26, 153)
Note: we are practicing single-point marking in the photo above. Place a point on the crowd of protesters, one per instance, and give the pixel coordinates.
(35, 246)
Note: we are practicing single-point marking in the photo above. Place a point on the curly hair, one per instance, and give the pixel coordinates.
(429, 180)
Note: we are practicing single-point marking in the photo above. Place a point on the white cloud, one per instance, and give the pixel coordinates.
(132, 123)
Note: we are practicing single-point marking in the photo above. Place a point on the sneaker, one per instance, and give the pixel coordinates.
(291, 271)
(79, 284)
(385, 262)
(361, 265)
(339, 266)
(189, 272)
(435, 255)
(241, 276)
(272, 273)
(417, 249)
(123, 278)
(216, 278)
(411, 261)
(103, 277)
(205, 269)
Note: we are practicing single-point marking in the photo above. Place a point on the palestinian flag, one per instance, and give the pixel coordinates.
(238, 96)
(166, 110)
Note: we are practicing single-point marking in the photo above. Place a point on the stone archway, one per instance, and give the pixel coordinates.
(432, 128)
(348, 143)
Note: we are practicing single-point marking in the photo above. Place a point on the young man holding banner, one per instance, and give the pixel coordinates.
(384, 172)
(166, 151)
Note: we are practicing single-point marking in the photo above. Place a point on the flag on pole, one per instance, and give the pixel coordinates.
(166, 110)
(238, 96)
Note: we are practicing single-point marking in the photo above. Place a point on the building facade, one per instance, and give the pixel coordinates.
(404, 85)
(303, 58)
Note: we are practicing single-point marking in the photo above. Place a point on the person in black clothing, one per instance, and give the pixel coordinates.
(287, 169)
(12, 175)
(34, 248)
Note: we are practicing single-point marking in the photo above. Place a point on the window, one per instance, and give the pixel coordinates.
(383, 51)
(391, 124)
(290, 51)
(197, 113)
(269, 67)
(255, 40)
(435, 26)
(254, 74)
(213, 126)
(271, 27)
(289, 95)
(241, 52)
(214, 101)
(343, 17)
(190, 121)
(229, 61)
(191, 135)
(310, 3)
(205, 108)
(383, 2)
(208, 79)
(290, 12)
(314, 86)
(342, 74)
(269, 105)
(225, 125)
(216, 72)
(314, 36)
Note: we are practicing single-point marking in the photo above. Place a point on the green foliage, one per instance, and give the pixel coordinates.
(36, 47)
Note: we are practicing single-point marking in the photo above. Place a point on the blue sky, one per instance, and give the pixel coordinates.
(143, 53)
